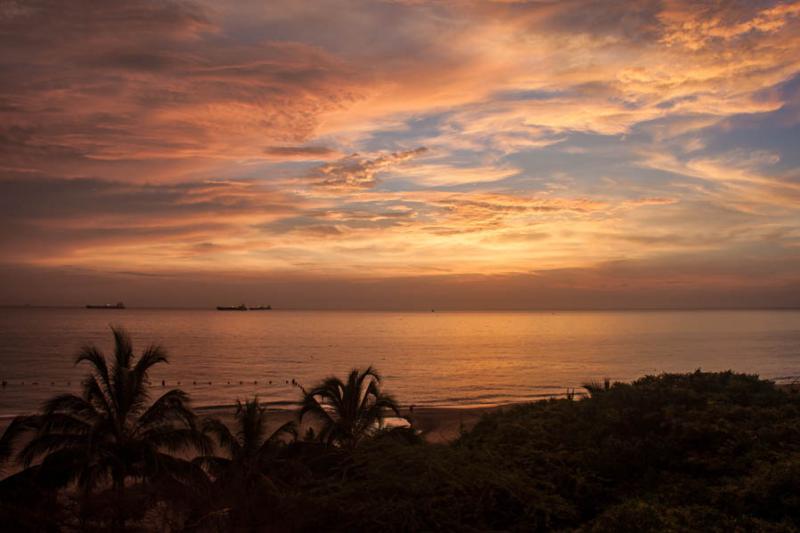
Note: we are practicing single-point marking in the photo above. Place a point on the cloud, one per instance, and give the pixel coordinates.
(570, 138)
(114, 88)
(739, 178)
(44, 220)
(696, 26)
(301, 152)
(355, 171)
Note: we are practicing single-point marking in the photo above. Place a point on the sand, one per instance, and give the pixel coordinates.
(438, 424)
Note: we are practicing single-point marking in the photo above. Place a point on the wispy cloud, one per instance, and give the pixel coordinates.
(355, 171)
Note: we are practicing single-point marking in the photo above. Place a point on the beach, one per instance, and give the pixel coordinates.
(438, 425)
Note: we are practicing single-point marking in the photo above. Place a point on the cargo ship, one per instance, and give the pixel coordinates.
(243, 307)
(232, 307)
(118, 305)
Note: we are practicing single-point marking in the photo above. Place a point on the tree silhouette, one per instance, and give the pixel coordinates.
(348, 411)
(595, 388)
(251, 447)
(241, 472)
(109, 434)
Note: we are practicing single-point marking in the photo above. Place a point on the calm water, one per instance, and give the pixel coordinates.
(444, 359)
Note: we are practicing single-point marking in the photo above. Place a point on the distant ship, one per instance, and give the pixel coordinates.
(243, 307)
(118, 305)
(232, 307)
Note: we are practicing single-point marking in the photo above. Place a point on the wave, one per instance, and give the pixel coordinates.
(223, 406)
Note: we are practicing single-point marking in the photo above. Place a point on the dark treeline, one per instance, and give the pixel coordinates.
(675, 452)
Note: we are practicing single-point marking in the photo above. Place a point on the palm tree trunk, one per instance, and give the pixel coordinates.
(119, 503)
(83, 508)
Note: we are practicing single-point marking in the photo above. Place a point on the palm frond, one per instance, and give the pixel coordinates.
(387, 403)
(48, 443)
(120, 371)
(63, 466)
(95, 357)
(311, 405)
(72, 404)
(170, 406)
(175, 439)
(153, 355)
(136, 385)
(19, 425)
(63, 423)
(595, 388)
(123, 348)
(250, 421)
(91, 475)
(332, 390)
(93, 393)
(137, 393)
(224, 437)
(213, 464)
(348, 410)
(274, 440)
(181, 470)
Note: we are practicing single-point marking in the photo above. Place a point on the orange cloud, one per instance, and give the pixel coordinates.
(355, 172)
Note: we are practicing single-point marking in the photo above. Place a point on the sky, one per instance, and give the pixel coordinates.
(401, 154)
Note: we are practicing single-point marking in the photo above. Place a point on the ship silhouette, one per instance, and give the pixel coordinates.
(243, 307)
(118, 305)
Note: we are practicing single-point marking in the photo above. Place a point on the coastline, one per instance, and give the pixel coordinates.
(438, 425)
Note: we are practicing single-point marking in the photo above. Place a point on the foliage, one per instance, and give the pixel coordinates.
(693, 452)
(348, 411)
(242, 485)
(687, 445)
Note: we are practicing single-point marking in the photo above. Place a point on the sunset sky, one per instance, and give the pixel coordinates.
(400, 154)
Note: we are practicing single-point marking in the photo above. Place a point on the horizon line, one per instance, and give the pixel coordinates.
(418, 310)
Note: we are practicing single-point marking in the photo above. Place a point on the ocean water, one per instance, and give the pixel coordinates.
(436, 359)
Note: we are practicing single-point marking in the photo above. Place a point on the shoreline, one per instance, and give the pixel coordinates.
(438, 425)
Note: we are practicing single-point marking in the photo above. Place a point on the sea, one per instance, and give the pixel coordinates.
(439, 359)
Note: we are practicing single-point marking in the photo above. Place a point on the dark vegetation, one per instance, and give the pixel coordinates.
(675, 452)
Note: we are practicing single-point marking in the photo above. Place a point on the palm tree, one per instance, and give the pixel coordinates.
(110, 433)
(349, 411)
(241, 473)
(251, 448)
(595, 389)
